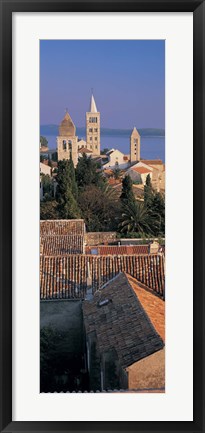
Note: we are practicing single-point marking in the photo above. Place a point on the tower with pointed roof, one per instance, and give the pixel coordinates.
(67, 140)
(134, 146)
(93, 128)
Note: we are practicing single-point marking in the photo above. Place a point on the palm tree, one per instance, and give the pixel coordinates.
(136, 218)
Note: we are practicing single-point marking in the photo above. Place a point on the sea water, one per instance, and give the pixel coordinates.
(151, 147)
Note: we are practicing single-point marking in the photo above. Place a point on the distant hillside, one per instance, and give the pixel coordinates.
(145, 132)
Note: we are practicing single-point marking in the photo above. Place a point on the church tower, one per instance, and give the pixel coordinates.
(67, 140)
(134, 146)
(93, 128)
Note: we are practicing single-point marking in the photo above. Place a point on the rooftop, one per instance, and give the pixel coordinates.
(152, 161)
(56, 245)
(141, 170)
(152, 304)
(62, 227)
(67, 127)
(121, 322)
(118, 249)
(84, 150)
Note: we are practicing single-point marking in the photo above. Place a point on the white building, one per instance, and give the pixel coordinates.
(116, 159)
(45, 169)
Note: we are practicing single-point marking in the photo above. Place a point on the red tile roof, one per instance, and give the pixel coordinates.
(152, 161)
(84, 150)
(121, 249)
(114, 181)
(66, 276)
(62, 244)
(141, 170)
(62, 227)
(152, 304)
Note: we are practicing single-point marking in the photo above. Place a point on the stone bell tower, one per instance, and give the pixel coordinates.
(134, 146)
(93, 128)
(67, 140)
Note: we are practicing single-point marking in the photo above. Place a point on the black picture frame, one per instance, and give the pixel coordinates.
(7, 7)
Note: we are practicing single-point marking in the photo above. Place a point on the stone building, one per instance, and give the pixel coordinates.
(116, 159)
(135, 146)
(124, 325)
(67, 141)
(93, 128)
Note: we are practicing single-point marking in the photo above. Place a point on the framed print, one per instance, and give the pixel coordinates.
(112, 336)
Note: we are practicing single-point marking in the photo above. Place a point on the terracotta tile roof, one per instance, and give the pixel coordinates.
(84, 150)
(114, 181)
(66, 276)
(62, 227)
(108, 171)
(152, 304)
(141, 170)
(62, 245)
(152, 161)
(115, 249)
(121, 323)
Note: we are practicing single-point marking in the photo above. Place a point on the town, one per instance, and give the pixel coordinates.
(102, 264)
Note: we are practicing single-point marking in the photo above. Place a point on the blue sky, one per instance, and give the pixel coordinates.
(127, 77)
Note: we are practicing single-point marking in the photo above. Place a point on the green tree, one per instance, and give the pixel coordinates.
(136, 218)
(73, 183)
(47, 185)
(43, 141)
(117, 173)
(49, 210)
(87, 172)
(127, 195)
(100, 208)
(158, 212)
(66, 188)
(148, 192)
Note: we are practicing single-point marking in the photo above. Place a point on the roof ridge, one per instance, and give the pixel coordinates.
(144, 311)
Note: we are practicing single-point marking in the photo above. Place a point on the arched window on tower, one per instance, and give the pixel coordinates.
(69, 144)
(64, 144)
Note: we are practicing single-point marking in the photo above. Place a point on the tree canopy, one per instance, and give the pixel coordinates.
(43, 141)
(66, 192)
(127, 194)
(87, 172)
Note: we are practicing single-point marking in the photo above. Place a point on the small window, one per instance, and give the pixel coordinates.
(95, 129)
(104, 302)
(96, 146)
(96, 138)
(91, 138)
(90, 129)
(64, 145)
(69, 144)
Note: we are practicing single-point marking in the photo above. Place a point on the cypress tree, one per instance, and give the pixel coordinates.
(148, 192)
(67, 204)
(127, 195)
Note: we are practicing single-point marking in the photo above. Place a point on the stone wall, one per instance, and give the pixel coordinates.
(66, 277)
(148, 373)
(99, 238)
